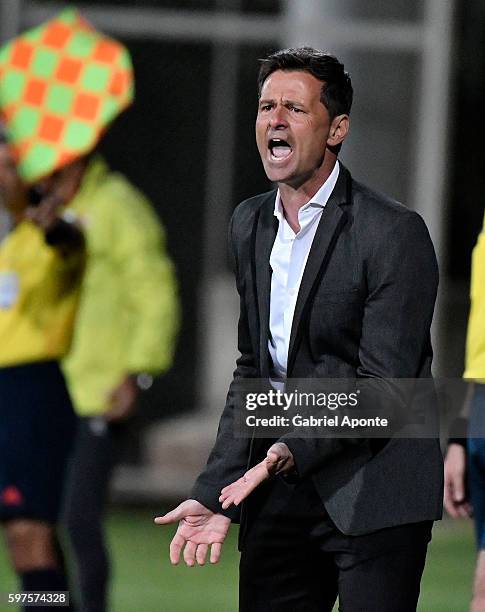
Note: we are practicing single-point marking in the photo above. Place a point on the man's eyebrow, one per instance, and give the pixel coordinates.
(285, 101)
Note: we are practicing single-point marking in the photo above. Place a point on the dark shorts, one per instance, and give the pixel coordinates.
(37, 426)
(476, 462)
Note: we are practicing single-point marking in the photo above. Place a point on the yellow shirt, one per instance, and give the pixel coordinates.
(475, 342)
(38, 297)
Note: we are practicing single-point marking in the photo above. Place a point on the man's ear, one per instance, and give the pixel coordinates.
(339, 129)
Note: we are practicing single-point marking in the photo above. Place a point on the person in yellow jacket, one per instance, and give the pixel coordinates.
(61, 84)
(129, 309)
(126, 325)
(465, 458)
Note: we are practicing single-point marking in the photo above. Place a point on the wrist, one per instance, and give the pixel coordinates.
(142, 380)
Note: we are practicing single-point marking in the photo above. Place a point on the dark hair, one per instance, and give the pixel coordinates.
(337, 92)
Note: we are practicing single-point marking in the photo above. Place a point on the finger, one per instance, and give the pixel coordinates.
(227, 503)
(224, 495)
(273, 464)
(456, 509)
(279, 448)
(240, 495)
(273, 457)
(228, 495)
(464, 510)
(448, 502)
(189, 553)
(462, 513)
(173, 516)
(458, 489)
(215, 552)
(450, 508)
(201, 554)
(175, 547)
(229, 500)
(227, 490)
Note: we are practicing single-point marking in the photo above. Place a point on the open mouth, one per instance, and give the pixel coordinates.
(279, 148)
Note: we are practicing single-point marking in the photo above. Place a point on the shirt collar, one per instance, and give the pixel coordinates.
(320, 199)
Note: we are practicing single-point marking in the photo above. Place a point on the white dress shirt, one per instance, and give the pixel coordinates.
(288, 259)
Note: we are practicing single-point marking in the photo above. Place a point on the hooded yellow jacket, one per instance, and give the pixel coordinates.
(128, 313)
(475, 343)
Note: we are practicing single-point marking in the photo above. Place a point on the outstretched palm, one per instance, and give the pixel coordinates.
(198, 529)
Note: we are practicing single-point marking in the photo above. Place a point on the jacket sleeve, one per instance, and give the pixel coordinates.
(148, 280)
(228, 459)
(402, 281)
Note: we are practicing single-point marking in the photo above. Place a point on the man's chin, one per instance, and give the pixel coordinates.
(277, 175)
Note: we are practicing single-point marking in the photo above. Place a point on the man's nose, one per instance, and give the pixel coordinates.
(278, 118)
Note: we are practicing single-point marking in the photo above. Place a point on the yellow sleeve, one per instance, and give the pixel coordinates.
(148, 277)
(475, 342)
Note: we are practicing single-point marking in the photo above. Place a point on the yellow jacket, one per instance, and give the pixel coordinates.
(475, 342)
(128, 313)
(39, 290)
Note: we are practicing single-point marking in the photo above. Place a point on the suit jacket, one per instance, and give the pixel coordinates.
(364, 310)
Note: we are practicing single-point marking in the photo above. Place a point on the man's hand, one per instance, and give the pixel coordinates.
(122, 400)
(279, 460)
(455, 500)
(198, 529)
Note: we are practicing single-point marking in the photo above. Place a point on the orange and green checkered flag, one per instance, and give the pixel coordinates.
(61, 84)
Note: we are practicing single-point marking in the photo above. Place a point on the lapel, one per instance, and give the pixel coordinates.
(266, 227)
(331, 222)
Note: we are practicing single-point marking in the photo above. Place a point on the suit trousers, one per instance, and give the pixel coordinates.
(294, 559)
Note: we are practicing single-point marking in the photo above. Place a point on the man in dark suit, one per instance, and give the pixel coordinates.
(335, 281)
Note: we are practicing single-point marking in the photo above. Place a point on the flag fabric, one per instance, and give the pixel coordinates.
(61, 84)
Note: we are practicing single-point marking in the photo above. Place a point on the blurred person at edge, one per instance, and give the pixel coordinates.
(41, 264)
(465, 457)
(128, 311)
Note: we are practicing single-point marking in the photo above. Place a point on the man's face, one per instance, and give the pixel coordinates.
(12, 190)
(292, 127)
